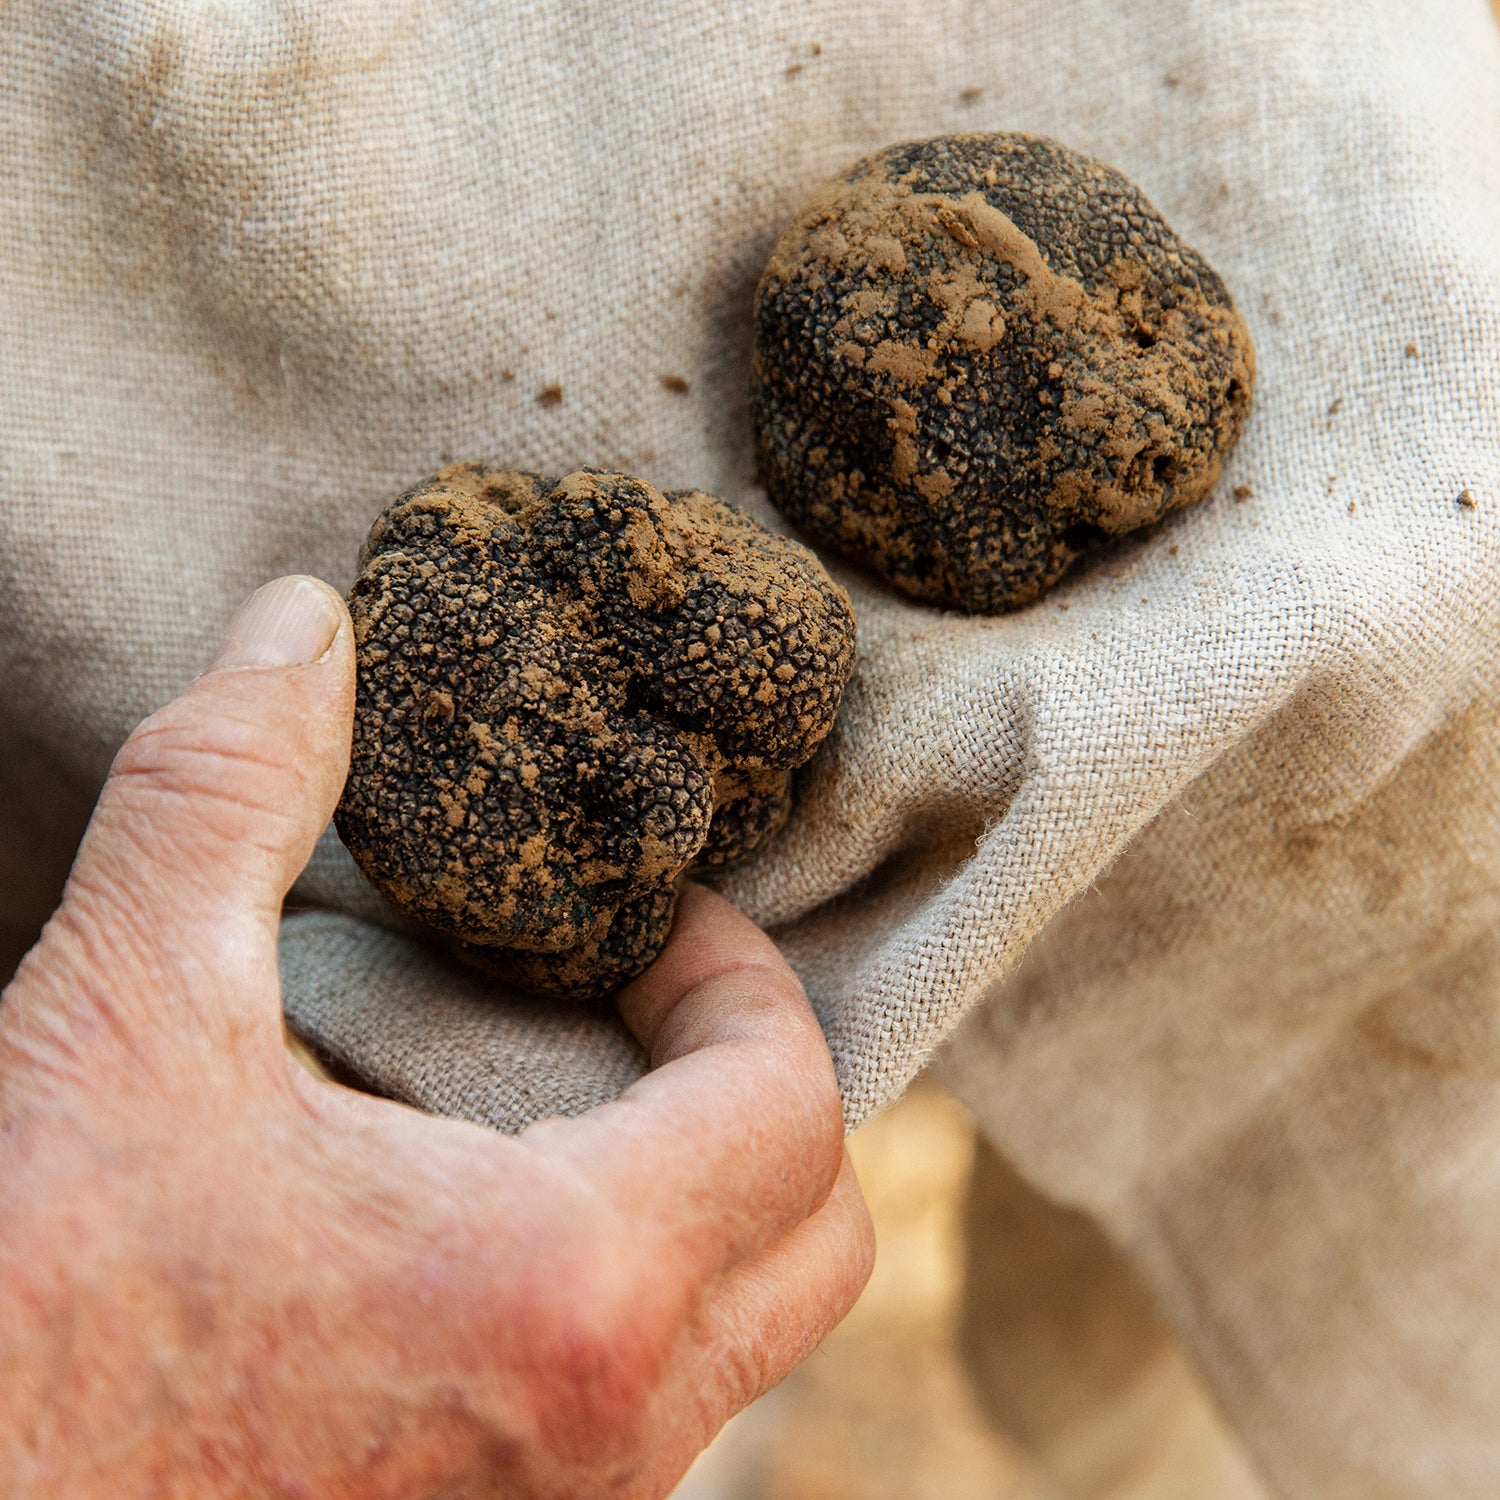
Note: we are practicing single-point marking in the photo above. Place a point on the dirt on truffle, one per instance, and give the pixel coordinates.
(571, 690)
(979, 356)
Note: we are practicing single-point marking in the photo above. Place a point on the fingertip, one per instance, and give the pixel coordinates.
(219, 796)
(286, 663)
(710, 938)
(291, 621)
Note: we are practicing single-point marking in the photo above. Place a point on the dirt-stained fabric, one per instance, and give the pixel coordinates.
(1205, 845)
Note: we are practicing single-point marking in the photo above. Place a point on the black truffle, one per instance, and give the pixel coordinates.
(979, 356)
(569, 691)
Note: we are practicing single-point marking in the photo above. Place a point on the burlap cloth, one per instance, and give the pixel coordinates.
(1237, 789)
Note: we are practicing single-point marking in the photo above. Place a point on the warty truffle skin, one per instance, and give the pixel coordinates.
(570, 691)
(978, 357)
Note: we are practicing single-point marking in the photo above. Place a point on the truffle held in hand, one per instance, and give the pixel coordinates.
(571, 690)
(978, 356)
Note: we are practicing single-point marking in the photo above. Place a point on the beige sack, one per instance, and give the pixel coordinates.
(262, 266)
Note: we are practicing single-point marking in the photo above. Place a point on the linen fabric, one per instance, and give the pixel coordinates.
(1202, 849)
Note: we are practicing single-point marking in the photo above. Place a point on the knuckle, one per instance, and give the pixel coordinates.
(609, 1342)
(219, 771)
(745, 1370)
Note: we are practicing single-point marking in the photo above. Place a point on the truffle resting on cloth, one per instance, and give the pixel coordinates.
(571, 690)
(979, 356)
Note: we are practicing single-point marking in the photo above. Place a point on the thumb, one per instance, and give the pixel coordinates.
(210, 812)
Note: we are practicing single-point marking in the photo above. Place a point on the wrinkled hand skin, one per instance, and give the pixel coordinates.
(222, 1276)
(570, 691)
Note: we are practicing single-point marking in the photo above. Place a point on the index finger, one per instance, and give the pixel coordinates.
(736, 1135)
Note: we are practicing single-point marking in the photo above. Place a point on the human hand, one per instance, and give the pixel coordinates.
(221, 1275)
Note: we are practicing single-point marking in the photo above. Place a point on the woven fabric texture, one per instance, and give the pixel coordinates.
(1235, 787)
